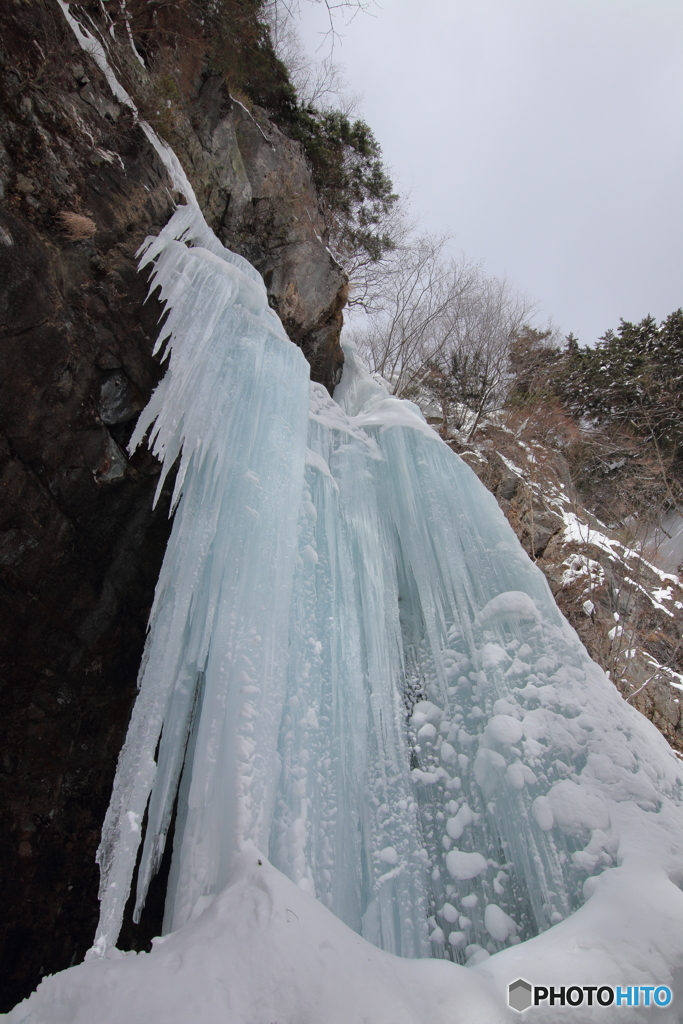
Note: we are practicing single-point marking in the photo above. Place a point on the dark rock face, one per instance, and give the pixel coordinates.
(80, 546)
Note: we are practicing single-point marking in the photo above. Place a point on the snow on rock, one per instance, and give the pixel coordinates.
(576, 810)
(543, 813)
(456, 826)
(498, 924)
(514, 603)
(593, 573)
(519, 775)
(448, 752)
(503, 729)
(425, 711)
(489, 766)
(388, 855)
(463, 866)
(629, 928)
(449, 913)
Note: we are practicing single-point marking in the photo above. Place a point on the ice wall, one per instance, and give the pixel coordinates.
(442, 714)
(353, 664)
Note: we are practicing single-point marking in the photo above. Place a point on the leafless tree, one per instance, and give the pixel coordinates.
(319, 82)
(419, 294)
(479, 350)
(279, 12)
(443, 324)
(368, 276)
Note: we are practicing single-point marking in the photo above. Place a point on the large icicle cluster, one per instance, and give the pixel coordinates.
(234, 402)
(351, 661)
(443, 717)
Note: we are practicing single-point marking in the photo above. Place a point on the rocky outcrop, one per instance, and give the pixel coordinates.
(626, 610)
(80, 546)
(261, 203)
(534, 521)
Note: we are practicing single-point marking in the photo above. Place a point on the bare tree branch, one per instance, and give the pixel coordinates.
(441, 323)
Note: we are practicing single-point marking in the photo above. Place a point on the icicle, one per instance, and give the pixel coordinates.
(233, 406)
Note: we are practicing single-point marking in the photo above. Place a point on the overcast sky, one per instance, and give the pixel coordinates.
(547, 135)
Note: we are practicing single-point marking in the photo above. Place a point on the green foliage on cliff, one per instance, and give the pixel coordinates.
(634, 377)
(350, 176)
(614, 410)
(534, 360)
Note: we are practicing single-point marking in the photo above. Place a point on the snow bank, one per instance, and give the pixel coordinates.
(262, 952)
(627, 933)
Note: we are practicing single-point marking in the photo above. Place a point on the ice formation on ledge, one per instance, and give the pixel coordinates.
(235, 402)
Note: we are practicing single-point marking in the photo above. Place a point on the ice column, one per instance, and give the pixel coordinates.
(234, 402)
(456, 770)
(346, 825)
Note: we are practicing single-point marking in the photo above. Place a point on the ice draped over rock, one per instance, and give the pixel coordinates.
(234, 404)
(351, 662)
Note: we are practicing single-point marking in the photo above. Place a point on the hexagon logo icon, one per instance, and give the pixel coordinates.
(519, 995)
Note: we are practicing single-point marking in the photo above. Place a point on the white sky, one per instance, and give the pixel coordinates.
(547, 135)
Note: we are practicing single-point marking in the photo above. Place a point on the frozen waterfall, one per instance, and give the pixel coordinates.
(351, 662)
(353, 669)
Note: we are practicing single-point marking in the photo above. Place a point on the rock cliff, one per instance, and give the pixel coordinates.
(80, 547)
(626, 609)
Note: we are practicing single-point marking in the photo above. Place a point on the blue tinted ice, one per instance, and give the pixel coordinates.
(352, 662)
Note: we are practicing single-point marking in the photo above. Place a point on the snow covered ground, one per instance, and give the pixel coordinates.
(265, 952)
